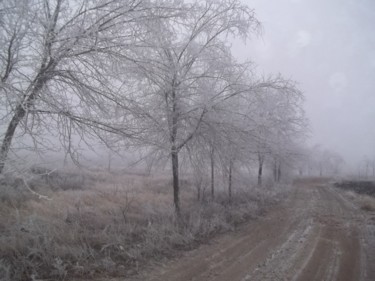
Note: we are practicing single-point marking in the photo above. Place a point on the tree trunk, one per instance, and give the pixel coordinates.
(176, 183)
(198, 184)
(174, 154)
(9, 134)
(230, 181)
(275, 171)
(260, 169)
(109, 162)
(199, 193)
(21, 109)
(212, 174)
(279, 172)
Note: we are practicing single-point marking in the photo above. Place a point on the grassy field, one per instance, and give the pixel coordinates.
(104, 225)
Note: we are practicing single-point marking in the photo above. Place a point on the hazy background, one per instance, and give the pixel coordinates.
(328, 46)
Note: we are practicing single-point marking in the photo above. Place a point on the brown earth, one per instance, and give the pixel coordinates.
(316, 234)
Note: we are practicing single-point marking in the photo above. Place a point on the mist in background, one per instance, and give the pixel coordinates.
(328, 47)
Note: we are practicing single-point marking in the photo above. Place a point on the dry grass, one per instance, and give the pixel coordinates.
(350, 194)
(367, 203)
(94, 226)
(364, 202)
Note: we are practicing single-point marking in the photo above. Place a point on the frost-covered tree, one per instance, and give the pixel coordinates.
(157, 74)
(57, 66)
(178, 67)
(323, 162)
(281, 125)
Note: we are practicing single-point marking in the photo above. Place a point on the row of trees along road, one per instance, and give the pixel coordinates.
(322, 162)
(158, 75)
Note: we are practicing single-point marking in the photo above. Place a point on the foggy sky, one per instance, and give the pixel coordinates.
(328, 46)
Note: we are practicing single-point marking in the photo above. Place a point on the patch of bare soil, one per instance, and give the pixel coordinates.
(315, 234)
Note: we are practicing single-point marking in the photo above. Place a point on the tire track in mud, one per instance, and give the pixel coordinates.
(314, 235)
(337, 255)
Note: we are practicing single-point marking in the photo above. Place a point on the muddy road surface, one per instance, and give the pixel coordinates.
(316, 234)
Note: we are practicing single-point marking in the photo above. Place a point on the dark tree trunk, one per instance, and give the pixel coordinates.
(260, 169)
(9, 134)
(275, 171)
(278, 172)
(109, 163)
(174, 153)
(176, 185)
(20, 112)
(230, 181)
(198, 185)
(212, 174)
(198, 193)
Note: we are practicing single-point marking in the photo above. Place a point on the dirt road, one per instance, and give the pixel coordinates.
(316, 234)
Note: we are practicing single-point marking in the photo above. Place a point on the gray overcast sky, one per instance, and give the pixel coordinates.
(328, 46)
